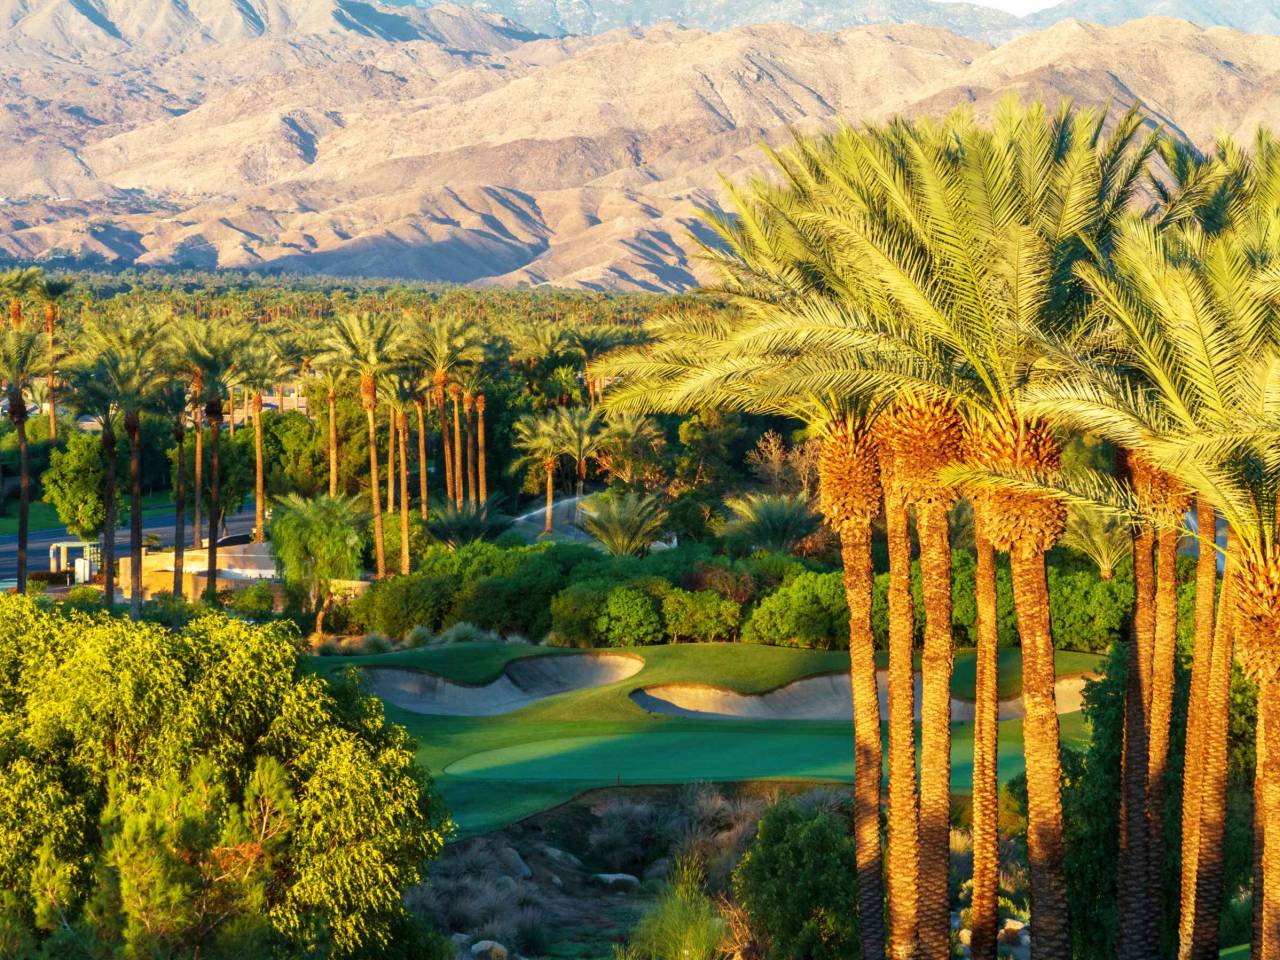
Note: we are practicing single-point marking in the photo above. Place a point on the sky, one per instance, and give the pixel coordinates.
(1014, 6)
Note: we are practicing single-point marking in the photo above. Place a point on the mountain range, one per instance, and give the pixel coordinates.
(448, 143)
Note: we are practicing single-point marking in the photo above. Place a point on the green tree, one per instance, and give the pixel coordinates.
(316, 542)
(775, 522)
(74, 486)
(625, 524)
(22, 356)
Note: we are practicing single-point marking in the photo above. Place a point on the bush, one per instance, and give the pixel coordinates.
(84, 598)
(576, 609)
(808, 611)
(464, 632)
(794, 884)
(256, 602)
(1088, 613)
(394, 607)
(629, 618)
(683, 924)
(172, 611)
(519, 602)
(700, 617)
(374, 644)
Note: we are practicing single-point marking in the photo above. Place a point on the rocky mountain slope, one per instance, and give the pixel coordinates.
(353, 138)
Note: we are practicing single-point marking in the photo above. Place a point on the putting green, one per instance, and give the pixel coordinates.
(494, 770)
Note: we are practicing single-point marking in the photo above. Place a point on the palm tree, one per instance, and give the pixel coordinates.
(316, 542)
(173, 402)
(125, 349)
(22, 356)
(459, 471)
(50, 292)
(331, 377)
(580, 435)
(209, 350)
(401, 391)
(369, 345)
(15, 284)
(1099, 535)
(457, 526)
(257, 368)
(442, 343)
(538, 441)
(770, 522)
(630, 438)
(625, 524)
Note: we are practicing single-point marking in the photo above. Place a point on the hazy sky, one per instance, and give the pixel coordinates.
(1015, 6)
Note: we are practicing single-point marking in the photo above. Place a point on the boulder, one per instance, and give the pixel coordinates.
(489, 950)
(620, 882)
(513, 863)
(561, 856)
(462, 941)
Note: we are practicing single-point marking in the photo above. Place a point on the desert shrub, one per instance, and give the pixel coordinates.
(629, 618)
(700, 617)
(375, 643)
(419, 637)
(464, 632)
(684, 923)
(394, 607)
(256, 601)
(794, 885)
(575, 610)
(628, 835)
(807, 611)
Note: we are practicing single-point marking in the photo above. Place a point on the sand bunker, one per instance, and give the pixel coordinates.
(824, 697)
(523, 682)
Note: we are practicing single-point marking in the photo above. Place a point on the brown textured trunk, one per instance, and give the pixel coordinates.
(855, 550)
(391, 460)
(259, 475)
(1207, 873)
(231, 403)
(197, 496)
(108, 447)
(484, 471)
(549, 467)
(1268, 793)
(18, 413)
(473, 486)
(1195, 752)
(333, 444)
(986, 837)
(1045, 852)
(215, 479)
(132, 428)
(935, 733)
(420, 407)
(379, 544)
(1161, 711)
(443, 410)
(50, 322)
(903, 868)
(402, 429)
(180, 508)
(1136, 897)
(459, 492)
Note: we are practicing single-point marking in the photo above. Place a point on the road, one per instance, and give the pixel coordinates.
(39, 541)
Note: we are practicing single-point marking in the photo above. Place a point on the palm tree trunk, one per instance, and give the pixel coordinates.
(1197, 719)
(549, 467)
(333, 444)
(903, 870)
(1207, 873)
(1137, 940)
(215, 503)
(935, 732)
(986, 837)
(484, 472)
(135, 515)
(379, 549)
(108, 446)
(473, 485)
(197, 495)
(422, 458)
(391, 459)
(1268, 792)
(855, 550)
(259, 475)
(231, 403)
(443, 410)
(1166, 638)
(180, 509)
(1045, 852)
(24, 486)
(50, 321)
(402, 428)
(459, 493)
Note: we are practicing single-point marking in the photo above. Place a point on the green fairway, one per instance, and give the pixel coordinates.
(493, 770)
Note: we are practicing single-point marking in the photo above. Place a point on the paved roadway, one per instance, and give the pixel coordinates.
(39, 541)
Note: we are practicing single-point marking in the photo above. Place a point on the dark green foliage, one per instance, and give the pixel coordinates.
(807, 611)
(256, 602)
(519, 602)
(394, 607)
(576, 609)
(73, 485)
(629, 618)
(796, 883)
(700, 617)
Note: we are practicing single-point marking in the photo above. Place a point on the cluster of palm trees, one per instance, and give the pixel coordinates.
(945, 302)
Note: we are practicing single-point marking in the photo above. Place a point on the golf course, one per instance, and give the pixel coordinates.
(496, 769)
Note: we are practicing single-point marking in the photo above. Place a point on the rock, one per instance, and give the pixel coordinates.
(557, 882)
(561, 856)
(513, 863)
(489, 950)
(1011, 935)
(461, 941)
(658, 870)
(617, 881)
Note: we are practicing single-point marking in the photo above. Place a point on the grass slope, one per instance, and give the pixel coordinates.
(493, 770)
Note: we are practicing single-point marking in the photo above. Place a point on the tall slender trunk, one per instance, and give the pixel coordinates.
(903, 869)
(935, 732)
(442, 409)
(986, 837)
(391, 459)
(402, 427)
(549, 467)
(459, 493)
(379, 549)
(1207, 873)
(419, 405)
(108, 447)
(1050, 930)
(1268, 776)
(180, 508)
(197, 495)
(333, 444)
(259, 476)
(231, 403)
(484, 472)
(1163, 652)
(215, 501)
(17, 402)
(132, 428)
(1194, 754)
(50, 322)
(855, 550)
(473, 486)
(1137, 940)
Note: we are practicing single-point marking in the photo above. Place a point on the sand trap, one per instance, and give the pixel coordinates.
(825, 697)
(523, 682)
